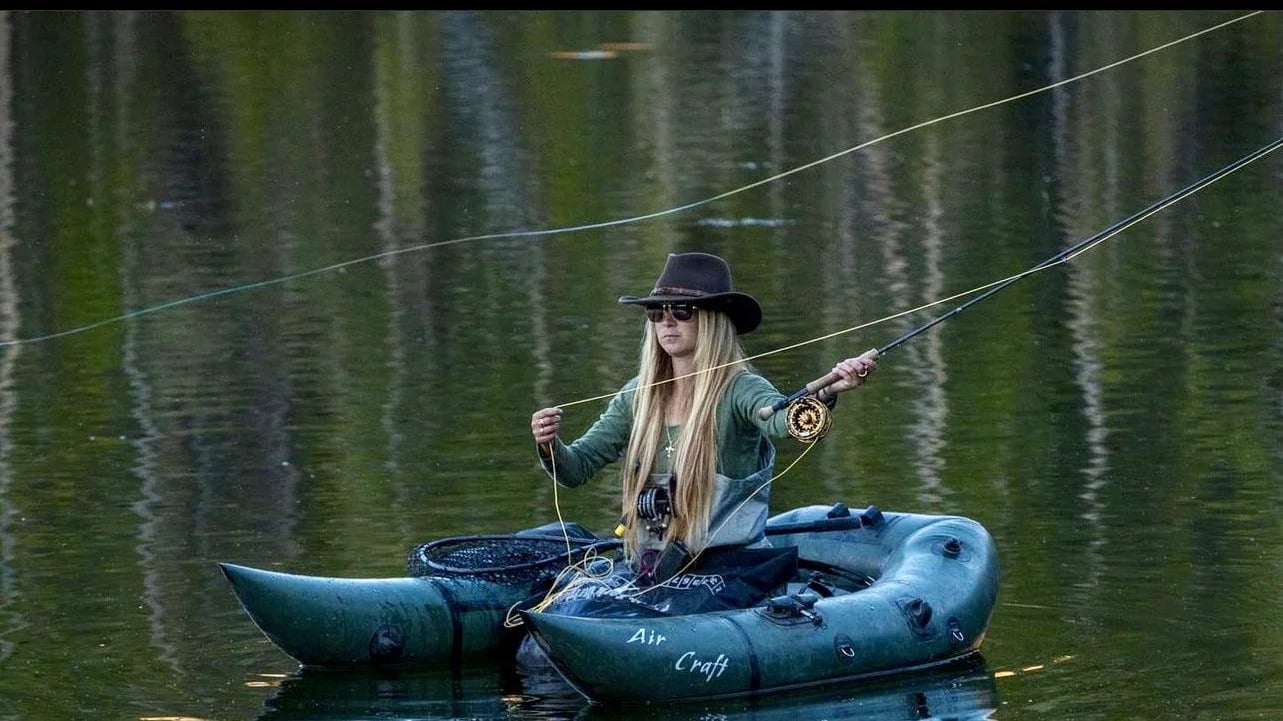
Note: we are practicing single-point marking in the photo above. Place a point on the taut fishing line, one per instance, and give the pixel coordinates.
(585, 564)
(631, 590)
(604, 224)
(990, 289)
(993, 287)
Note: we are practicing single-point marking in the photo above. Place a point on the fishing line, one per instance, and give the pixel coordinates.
(695, 556)
(1060, 258)
(991, 288)
(585, 575)
(603, 224)
(995, 286)
(589, 570)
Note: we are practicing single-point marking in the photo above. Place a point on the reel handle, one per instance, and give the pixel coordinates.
(811, 388)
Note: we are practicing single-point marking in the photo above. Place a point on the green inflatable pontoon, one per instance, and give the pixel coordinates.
(876, 594)
(933, 586)
(456, 602)
(322, 621)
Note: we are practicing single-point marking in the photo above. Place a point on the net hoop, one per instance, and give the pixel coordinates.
(510, 558)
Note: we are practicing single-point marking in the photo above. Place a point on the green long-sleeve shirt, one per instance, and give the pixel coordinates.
(739, 433)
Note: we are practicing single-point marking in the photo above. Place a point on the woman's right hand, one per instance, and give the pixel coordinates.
(545, 424)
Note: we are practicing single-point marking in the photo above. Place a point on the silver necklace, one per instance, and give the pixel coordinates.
(668, 449)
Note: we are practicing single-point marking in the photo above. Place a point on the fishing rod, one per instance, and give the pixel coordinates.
(874, 353)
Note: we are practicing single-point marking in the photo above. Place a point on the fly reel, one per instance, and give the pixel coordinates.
(808, 419)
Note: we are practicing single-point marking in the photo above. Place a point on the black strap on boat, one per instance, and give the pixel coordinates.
(456, 622)
(754, 664)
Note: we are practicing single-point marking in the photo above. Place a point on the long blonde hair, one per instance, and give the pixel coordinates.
(718, 359)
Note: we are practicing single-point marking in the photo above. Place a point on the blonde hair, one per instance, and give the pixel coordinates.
(718, 359)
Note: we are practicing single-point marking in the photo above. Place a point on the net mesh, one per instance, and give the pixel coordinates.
(509, 559)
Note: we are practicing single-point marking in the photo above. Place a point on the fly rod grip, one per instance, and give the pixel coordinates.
(824, 381)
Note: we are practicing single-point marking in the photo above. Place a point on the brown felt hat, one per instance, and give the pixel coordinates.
(702, 280)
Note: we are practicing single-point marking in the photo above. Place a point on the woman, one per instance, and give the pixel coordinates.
(698, 458)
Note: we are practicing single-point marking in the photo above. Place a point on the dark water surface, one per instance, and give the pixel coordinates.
(194, 371)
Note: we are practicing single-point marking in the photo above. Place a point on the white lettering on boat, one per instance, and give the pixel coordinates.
(647, 637)
(713, 583)
(710, 669)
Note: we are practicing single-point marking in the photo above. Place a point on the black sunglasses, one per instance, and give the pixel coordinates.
(681, 312)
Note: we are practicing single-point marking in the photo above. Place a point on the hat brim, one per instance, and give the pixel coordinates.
(743, 309)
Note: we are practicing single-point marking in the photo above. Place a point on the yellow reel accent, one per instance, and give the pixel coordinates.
(808, 419)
